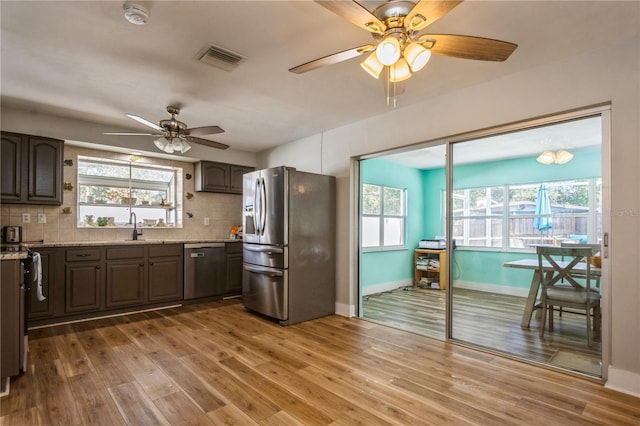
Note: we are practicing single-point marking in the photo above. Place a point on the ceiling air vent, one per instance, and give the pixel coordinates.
(219, 57)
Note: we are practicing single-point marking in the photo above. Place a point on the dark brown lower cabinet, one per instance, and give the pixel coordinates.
(234, 269)
(83, 280)
(39, 309)
(90, 281)
(84, 286)
(165, 273)
(125, 283)
(11, 324)
(125, 276)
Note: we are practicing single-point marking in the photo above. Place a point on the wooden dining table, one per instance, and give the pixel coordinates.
(532, 264)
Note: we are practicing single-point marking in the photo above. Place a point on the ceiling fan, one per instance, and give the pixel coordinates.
(399, 48)
(174, 134)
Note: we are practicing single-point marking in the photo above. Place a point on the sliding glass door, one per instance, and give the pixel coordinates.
(508, 194)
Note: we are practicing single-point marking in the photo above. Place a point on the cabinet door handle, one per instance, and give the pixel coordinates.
(141, 264)
(97, 267)
(151, 264)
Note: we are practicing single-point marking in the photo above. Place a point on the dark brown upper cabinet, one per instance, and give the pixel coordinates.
(219, 177)
(31, 169)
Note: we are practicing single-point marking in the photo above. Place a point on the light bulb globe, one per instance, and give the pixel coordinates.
(388, 51)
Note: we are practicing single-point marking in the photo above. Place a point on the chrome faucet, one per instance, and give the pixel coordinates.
(135, 229)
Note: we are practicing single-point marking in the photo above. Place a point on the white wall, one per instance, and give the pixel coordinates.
(606, 75)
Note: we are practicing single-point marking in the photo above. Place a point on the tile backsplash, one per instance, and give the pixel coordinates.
(223, 210)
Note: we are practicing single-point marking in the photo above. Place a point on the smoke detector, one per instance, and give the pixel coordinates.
(135, 13)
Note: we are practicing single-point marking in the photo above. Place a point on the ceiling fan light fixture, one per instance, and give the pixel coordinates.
(563, 157)
(372, 65)
(183, 145)
(546, 158)
(417, 56)
(163, 144)
(558, 157)
(388, 51)
(399, 71)
(171, 145)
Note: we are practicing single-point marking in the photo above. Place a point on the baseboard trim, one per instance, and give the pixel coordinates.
(382, 287)
(345, 310)
(623, 381)
(492, 288)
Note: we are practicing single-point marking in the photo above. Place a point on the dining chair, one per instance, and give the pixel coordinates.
(596, 248)
(571, 265)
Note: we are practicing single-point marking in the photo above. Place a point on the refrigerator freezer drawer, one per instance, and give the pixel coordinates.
(269, 256)
(266, 291)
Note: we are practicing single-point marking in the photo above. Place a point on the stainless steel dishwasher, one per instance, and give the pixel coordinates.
(204, 270)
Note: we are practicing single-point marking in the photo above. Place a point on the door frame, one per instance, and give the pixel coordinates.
(603, 110)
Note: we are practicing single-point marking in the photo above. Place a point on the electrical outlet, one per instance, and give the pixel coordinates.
(42, 218)
(26, 217)
(206, 221)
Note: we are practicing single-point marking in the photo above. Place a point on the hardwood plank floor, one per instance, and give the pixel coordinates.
(213, 363)
(489, 320)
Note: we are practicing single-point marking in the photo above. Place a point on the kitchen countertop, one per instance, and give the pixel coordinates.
(14, 255)
(127, 242)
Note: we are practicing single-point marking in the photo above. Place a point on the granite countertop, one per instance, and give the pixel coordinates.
(127, 242)
(14, 255)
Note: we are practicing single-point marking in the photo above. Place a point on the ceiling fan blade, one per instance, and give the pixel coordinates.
(332, 59)
(354, 13)
(206, 142)
(429, 11)
(468, 47)
(130, 134)
(206, 130)
(145, 122)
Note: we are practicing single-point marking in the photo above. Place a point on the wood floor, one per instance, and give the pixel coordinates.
(489, 320)
(215, 364)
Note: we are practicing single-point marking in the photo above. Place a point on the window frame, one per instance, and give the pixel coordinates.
(170, 188)
(381, 216)
(592, 184)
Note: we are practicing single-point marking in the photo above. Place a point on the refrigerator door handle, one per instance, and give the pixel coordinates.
(261, 249)
(256, 207)
(264, 271)
(263, 205)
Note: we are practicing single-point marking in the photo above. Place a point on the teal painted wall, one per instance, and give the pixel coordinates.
(434, 184)
(585, 164)
(390, 266)
(425, 210)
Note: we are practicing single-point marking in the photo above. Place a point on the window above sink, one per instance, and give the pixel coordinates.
(110, 190)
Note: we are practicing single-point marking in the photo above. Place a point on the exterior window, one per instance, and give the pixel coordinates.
(109, 190)
(480, 218)
(383, 217)
(477, 217)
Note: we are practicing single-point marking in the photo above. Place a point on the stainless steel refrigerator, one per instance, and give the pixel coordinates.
(289, 244)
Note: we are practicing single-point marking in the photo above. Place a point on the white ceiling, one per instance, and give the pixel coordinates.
(83, 60)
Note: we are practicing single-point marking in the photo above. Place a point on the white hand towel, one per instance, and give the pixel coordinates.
(37, 264)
